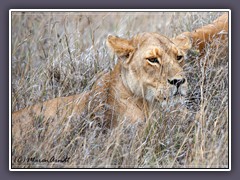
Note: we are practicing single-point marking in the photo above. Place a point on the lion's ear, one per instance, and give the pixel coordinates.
(183, 42)
(122, 47)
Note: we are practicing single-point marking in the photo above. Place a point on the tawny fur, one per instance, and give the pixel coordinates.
(205, 35)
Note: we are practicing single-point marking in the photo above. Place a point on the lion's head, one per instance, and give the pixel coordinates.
(151, 66)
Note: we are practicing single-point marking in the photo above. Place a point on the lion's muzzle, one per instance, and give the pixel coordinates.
(179, 87)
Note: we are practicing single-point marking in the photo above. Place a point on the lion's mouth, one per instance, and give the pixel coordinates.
(172, 101)
(178, 91)
(174, 96)
(178, 94)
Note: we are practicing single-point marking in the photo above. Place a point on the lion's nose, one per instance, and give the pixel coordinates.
(177, 82)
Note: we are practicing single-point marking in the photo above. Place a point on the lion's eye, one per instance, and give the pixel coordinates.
(179, 57)
(153, 60)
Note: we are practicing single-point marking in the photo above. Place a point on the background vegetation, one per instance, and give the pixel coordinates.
(60, 54)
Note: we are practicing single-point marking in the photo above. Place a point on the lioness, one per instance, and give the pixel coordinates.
(149, 70)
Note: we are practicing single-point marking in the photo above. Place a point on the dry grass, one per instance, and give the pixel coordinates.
(60, 54)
